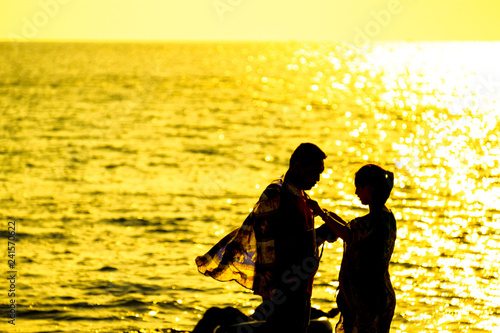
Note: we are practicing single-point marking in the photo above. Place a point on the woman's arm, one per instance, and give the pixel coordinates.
(336, 217)
(334, 222)
(337, 227)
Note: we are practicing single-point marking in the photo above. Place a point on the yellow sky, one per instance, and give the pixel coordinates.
(347, 20)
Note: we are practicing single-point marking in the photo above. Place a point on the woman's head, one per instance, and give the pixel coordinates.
(373, 185)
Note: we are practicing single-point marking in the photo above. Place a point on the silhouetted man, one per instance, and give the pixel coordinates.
(296, 252)
(274, 252)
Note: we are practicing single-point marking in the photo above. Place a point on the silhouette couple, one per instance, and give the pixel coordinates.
(275, 253)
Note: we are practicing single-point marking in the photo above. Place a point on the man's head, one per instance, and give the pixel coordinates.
(306, 165)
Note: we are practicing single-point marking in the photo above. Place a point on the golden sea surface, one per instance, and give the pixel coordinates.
(122, 162)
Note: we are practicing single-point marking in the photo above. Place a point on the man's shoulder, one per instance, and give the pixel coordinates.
(272, 190)
(269, 200)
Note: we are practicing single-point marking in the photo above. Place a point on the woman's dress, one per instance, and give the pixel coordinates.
(366, 298)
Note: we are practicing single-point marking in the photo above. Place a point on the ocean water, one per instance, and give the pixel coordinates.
(122, 162)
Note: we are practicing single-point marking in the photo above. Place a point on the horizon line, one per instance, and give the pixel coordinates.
(291, 40)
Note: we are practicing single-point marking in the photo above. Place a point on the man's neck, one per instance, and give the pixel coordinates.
(290, 183)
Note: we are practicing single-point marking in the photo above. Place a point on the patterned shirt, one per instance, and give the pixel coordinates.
(277, 234)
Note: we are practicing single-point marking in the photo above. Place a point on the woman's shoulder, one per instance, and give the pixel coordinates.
(389, 218)
(387, 212)
(368, 219)
(359, 221)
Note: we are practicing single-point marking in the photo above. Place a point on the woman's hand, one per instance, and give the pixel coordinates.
(314, 206)
(336, 217)
(338, 226)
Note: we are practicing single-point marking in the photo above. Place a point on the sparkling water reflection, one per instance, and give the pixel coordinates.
(117, 157)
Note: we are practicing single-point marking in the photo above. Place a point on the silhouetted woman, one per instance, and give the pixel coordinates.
(366, 298)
